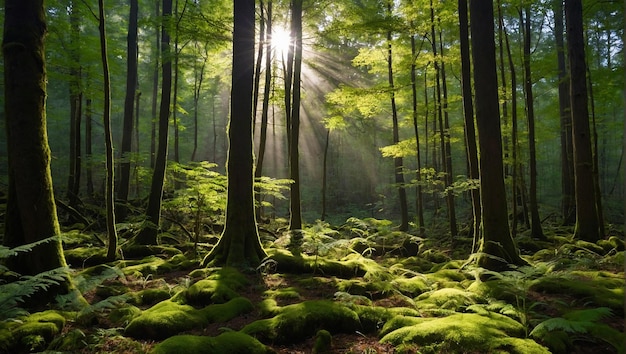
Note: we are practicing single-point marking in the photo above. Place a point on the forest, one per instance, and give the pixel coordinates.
(297, 176)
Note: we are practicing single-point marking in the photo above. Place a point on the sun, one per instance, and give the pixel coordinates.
(280, 41)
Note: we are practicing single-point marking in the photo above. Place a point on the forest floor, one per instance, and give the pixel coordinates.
(358, 288)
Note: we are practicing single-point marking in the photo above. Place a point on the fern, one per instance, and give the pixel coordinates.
(578, 323)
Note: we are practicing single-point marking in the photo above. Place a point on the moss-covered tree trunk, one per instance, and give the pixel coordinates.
(240, 244)
(497, 248)
(295, 207)
(587, 223)
(31, 211)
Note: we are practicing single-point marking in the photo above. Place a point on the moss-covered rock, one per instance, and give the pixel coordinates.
(123, 315)
(149, 296)
(461, 332)
(225, 343)
(168, 318)
(289, 263)
(299, 321)
(413, 286)
(85, 256)
(219, 287)
(374, 317)
(323, 342)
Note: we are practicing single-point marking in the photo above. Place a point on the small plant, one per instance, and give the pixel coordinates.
(560, 333)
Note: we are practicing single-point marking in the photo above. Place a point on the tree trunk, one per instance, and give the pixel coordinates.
(536, 231)
(129, 100)
(198, 78)
(240, 244)
(587, 223)
(76, 95)
(596, 152)
(155, 89)
(108, 140)
(257, 68)
(419, 200)
(295, 222)
(497, 248)
(468, 118)
(397, 161)
(568, 206)
(30, 211)
(266, 99)
(88, 143)
(148, 235)
(324, 173)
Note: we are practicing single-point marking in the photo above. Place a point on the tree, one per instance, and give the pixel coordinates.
(131, 92)
(76, 96)
(536, 230)
(31, 211)
(497, 247)
(148, 235)
(239, 244)
(587, 223)
(468, 117)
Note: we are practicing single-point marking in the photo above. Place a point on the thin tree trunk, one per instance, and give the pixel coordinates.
(397, 161)
(419, 200)
(596, 152)
(504, 99)
(127, 131)
(468, 118)
(88, 143)
(536, 231)
(587, 223)
(295, 222)
(155, 89)
(324, 173)
(76, 95)
(259, 59)
(568, 206)
(148, 235)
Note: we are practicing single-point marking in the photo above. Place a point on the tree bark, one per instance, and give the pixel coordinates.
(568, 205)
(468, 118)
(76, 96)
(239, 244)
(129, 100)
(397, 161)
(31, 211)
(497, 249)
(419, 201)
(148, 234)
(155, 89)
(587, 223)
(295, 221)
(535, 231)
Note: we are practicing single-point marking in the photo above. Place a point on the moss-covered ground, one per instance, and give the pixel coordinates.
(332, 294)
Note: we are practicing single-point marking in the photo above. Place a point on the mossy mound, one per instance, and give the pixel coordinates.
(168, 318)
(461, 333)
(300, 321)
(225, 343)
(72, 341)
(85, 256)
(123, 315)
(289, 263)
(374, 317)
(149, 296)
(218, 288)
(156, 265)
(447, 299)
(587, 287)
(413, 286)
(33, 333)
(140, 251)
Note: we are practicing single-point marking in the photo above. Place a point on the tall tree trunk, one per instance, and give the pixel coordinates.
(468, 118)
(240, 244)
(259, 59)
(155, 88)
(419, 200)
(324, 174)
(504, 98)
(497, 249)
(129, 100)
(397, 161)
(108, 140)
(514, 146)
(174, 111)
(88, 143)
(30, 211)
(596, 152)
(536, 231)
(295, 222)
(267, 40)
(148, 235)
(587, 223)
(76, 96)
(447, 151)
(568, 204)
(198, 78)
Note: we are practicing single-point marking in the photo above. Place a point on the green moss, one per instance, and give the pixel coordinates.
(72, 341)
(447, 299)
(140, 251)
(268, 308)
(461, 332)
(419, 264)
(374, 317)
(435, 256)
(85, 256)
(289, 293)
(589, 246)
(617, 242)
(288, 263)
(299, 321)
(168, 318)
(323, 342)
(225, 343)
(209, 291)
(150, 296)
(412, 286)
(123, 315)
(599, 290)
